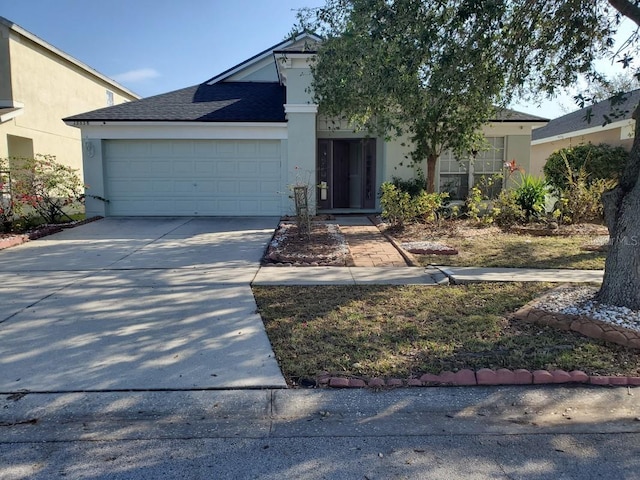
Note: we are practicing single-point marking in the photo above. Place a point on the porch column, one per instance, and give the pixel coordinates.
(301, 148)
(93, 178)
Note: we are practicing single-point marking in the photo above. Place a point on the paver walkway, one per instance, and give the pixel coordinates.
(369, 248)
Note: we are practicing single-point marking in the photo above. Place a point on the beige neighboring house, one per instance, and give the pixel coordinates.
(39, 85)
(573, 129)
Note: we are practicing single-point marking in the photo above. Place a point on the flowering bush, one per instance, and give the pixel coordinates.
(47, 187)
(7, 209)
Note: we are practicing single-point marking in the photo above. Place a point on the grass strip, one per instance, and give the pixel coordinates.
(399, 331)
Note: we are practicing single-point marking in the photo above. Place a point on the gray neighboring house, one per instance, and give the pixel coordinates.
(235, 144)
(573, 129)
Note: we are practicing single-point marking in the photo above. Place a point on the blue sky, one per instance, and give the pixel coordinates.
(156, 46)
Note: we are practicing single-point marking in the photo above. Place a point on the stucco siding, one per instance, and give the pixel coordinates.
(51, 88)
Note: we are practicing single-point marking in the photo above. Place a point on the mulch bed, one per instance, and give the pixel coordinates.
(8, 240)
(325, 246)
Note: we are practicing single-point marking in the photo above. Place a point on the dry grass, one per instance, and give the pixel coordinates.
(491, 247)
(401, 331)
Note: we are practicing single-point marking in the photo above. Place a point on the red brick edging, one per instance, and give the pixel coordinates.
(587, 326)
(484, 376)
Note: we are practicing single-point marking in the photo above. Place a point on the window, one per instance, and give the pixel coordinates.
(457, 177)
(109, 98)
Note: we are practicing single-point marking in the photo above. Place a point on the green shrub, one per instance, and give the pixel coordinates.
(531, 196)
(581, 200)
(484, 189)
(506, 211)
(413, 186)
(599, 161)
(399, 207)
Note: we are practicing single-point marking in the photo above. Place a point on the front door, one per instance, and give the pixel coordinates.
(346, 174)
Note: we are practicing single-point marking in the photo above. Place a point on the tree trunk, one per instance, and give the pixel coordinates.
(431, 173)
(621, 284)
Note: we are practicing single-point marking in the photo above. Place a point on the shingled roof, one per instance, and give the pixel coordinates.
(508, 115)
(575, 121)
(220, 102)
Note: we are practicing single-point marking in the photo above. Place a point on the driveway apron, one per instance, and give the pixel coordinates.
(136, 304)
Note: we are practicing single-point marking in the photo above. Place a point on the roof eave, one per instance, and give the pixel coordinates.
(105, 123)
(585, 131)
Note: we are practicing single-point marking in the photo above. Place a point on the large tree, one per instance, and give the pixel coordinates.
(408, 67)
(435, 68)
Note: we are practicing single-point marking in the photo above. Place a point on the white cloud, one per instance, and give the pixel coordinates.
(139, 75)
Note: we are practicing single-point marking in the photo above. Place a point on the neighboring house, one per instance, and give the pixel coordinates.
(39, 85)
(235, 144)
(574, 129)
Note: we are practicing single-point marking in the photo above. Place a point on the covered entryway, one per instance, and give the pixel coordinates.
(346, 173)
(192, 177)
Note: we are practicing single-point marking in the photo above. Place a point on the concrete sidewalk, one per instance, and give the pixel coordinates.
(460, 275)
(271, 275)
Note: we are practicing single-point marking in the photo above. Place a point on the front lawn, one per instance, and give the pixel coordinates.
(491, 247)
(392, 331)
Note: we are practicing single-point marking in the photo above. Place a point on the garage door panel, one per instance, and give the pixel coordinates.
(248, 168)
(226, 188)
(182, 149)
(225, 147)
(270, 168)
(160, 148)
(269, 187)
(184, 177)
(183, 187)
(127, 149)
(226, 168)
(205, 167)
(269, 150)
(247, 149)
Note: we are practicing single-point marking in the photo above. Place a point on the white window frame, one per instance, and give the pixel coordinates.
(469, 166)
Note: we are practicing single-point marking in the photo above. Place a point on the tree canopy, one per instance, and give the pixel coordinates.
(436, 71)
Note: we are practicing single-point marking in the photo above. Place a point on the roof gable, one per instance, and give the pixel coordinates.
(508, 115)
(263, 61)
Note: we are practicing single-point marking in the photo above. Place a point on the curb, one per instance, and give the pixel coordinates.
(484, 376)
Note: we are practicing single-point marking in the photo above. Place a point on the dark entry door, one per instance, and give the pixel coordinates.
(346, 174)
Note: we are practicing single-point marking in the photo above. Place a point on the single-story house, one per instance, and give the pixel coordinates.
(574, 129)
(235, 144)
(39, 85)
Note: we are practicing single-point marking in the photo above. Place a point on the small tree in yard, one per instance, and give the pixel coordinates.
(48, 187)
(408, 68)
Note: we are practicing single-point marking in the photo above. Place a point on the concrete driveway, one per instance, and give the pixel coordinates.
(136, 303)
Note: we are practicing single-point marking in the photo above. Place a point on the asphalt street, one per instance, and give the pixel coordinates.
(441, 433)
